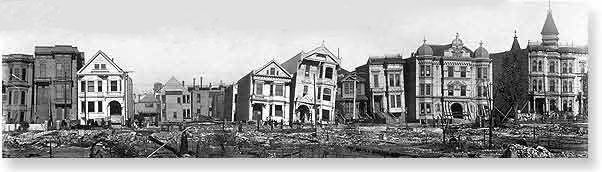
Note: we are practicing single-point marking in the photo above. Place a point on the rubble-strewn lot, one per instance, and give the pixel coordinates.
(217, 141)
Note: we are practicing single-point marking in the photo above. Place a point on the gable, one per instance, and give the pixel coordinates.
(100, 64)
(272, 69)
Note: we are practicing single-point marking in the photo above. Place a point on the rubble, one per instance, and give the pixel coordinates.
(520, 151)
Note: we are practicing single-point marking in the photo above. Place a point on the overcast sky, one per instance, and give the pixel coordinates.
(224, 40)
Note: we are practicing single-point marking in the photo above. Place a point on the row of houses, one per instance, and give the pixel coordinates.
(56, 84)
(437, 81)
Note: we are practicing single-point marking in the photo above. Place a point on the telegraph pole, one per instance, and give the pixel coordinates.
(490, 90)
(443, 116)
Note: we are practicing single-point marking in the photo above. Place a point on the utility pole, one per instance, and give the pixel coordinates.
(490, 90)
(443, 116)
(354, 93)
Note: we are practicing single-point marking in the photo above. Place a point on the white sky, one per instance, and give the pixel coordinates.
(224, 40)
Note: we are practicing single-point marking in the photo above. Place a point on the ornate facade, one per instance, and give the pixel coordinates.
(17, 89)
(466, 82)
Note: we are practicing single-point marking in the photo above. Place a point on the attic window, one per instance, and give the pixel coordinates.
(96, 66)
(103, 66)
(321, 55)
(272, 71)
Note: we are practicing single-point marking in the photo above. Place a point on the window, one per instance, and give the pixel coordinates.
(570, 67)
(375, 78)
(96, 66)
(463, 72)
(422, 89)
(279, 90)
(552, 67)
(422, 107)
(485, 72)
(582, 66)
(59, 70)
(428, 89)
(99, 86)
(422, 70)
(305, 90)
(83, 86)
(150, 105)
(462, 90)
(90, 86)
(163, 98)
(392, 101)
(24, 74)
(272, 71)
(450, 90)
(534, 83)
(570, 86)
(428, 107)
(479, 72)
(271, 90)
(103, 66)
(306, 70)
(113, 85)
(347, 87)
(326, 95)
(10, 97)
(325, 115)
(329, 72)
(175, 114)
(428, 70)
(43, 70)
(397, 80)
(278, 110)
(450, 71)
(258, 88)
(564, 68)
(485, 91)
(391, 80)
(179, 100)
(91, 107)
(564, 86)
(540, 66)
(552, 86)
(100, 106)
(23, 97)
(540, 85)
(534, 66)
(83, 106)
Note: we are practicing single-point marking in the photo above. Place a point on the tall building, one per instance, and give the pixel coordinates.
(386, 80)
(264, 94)
(466, 82)
(17, 89)
(175, 102)
(105, 91)
(55, 82)
(557, 74)
(313, 89)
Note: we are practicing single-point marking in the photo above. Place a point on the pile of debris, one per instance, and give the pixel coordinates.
(520, 151)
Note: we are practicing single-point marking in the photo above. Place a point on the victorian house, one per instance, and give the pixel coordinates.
(263, 94)
(175, 102)
(557, 74)
(105, 91)
(55, 82)
(313, 87)
(352, 102)
(385, 87)
(17, 89)
(448, 81)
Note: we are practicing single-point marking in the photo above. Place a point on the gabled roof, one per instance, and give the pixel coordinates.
(549, 27)
(103, 55)
(256, 72)
(292, 64)
(173, 84)
(352, 76)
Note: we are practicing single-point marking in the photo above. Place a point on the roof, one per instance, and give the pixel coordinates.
(424, 49)
(515, 44)
(389, 59)
(55, 49)
(100, 53)
(549, 27)
(148, 98)
(292, 64)
(173, 84)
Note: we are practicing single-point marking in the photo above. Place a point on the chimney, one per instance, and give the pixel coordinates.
(183, 84)
(201, 82)
(193, 82)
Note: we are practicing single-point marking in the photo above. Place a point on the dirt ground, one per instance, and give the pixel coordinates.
(246, 141)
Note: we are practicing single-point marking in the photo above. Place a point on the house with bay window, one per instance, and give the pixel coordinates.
(105, 91)
(264, 94)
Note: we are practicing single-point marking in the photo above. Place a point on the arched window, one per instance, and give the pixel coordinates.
(540, 85)
(570, 86)
(539, 66)
(552, 66)
(570, 67)
(534, 83)
(564, 86)
(564, 68)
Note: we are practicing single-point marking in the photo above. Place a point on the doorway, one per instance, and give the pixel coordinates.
(457, 110)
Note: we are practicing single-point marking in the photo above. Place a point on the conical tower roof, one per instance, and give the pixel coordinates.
(549, 27)
(515, 44)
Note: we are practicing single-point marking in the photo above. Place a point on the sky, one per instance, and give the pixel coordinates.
(224, 40)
